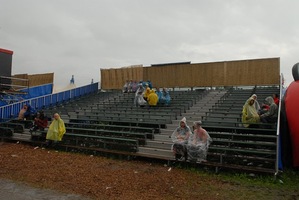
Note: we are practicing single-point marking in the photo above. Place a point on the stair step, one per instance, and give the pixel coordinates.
(155, 151)
(167, 131)
(162, 137)
(159, 144)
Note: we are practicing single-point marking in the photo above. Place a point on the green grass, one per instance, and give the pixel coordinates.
(287, 180)
(230, 185)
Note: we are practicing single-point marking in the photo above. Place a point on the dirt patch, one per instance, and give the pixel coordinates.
(102, 178)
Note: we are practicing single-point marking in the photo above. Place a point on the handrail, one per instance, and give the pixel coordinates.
(20, 79)
(278, 127)
(12, 110)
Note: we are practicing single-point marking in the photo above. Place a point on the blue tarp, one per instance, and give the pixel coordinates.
(38, 91)
(32, 92)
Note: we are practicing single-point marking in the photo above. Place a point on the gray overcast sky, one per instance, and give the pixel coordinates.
(76, 37)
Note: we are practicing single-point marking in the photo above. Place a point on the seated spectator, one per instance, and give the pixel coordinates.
(144, 83)
(152, 98)
(40, 122)
(146, 93)
(56, 130)
(198, 143)
(134, 86)
(139, 100)
(130, 84)
(30, 112)
(165, 98)
(140, 89)
(256, 103)
(249, 113)
(22, 112)
(271, 115)
(159, 93)
(180, 137)
(276, 98)
(125, 87)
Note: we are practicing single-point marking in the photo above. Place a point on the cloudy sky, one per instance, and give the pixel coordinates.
(76, 37)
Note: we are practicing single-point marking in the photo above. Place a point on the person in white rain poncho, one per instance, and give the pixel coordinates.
(180, 138)
(139, 101)
(198, 143)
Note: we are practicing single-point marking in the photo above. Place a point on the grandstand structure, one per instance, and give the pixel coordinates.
(106, 122)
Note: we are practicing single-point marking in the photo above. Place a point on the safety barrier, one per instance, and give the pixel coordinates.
(12, 110)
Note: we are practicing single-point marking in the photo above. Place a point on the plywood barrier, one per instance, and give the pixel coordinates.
(116, 78)
(33, 80)
(227, 73)
(40, 79)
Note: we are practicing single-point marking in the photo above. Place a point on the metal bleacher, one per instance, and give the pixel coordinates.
(234, 145)
(109, 122)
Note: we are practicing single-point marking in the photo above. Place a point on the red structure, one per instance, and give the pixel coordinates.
(292, 110)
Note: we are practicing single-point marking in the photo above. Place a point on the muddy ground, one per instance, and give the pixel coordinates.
(74, 175)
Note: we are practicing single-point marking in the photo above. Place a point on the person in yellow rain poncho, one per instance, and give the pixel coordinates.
(152, 98)
(56, 130)
(249, 113)
(146, 93)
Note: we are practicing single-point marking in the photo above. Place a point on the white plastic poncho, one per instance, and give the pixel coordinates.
(139, 101)
(180, 137)
(198, 143)
(256, 103)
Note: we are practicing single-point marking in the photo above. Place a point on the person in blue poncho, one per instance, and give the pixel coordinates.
(165, 97)
(159, 94)
(30, 112)
(150, 85)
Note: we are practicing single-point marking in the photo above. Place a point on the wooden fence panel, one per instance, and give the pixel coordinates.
(34, 79)
(228, 73)
(116, 78)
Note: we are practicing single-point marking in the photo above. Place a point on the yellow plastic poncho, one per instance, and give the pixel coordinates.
(56, 130)
(147, 92)
(152, 98)
(249, 114)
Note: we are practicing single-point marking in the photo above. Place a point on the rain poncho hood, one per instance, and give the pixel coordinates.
(256, 103)
(269, 101)
(183, 120)
(147, 92)
(273, 110)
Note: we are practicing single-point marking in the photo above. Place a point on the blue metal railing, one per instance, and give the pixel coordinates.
(12, 110)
